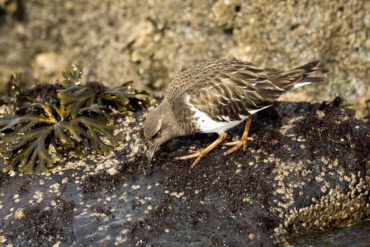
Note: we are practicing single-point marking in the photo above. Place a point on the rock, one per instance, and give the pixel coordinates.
(48, 66)
(149, 42)
(306, 170)
(224, 13)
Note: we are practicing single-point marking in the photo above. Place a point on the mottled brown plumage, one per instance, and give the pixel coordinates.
(215, 95)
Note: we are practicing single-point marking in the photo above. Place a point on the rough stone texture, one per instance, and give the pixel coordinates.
(150, 41)
(306, 170)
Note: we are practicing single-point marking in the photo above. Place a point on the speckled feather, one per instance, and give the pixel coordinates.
(227, 90)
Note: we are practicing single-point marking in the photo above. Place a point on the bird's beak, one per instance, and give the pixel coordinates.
(150, 153)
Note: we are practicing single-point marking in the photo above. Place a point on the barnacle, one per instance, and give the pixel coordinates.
(77, 119)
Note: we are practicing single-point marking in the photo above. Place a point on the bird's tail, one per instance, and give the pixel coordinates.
(296, 77)
(307, 72)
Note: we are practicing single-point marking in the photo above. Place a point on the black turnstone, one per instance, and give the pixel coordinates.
(216, 95)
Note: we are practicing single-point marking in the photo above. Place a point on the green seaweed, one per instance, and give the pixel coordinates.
(79, 119)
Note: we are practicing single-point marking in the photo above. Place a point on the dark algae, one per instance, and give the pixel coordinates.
(44, 227)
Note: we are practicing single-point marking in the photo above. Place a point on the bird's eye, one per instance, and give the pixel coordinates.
(155, 135)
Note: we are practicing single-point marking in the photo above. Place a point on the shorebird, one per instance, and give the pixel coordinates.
(216, 95)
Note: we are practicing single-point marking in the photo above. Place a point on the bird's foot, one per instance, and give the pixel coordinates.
(236, 145)
(200, 154)
(194, 154)
(233, 143)
(242, 142)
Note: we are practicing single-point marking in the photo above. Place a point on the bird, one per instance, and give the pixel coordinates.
(216, 95)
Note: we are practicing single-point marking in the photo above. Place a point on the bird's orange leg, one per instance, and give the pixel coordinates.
(202, 153)
(242, 142)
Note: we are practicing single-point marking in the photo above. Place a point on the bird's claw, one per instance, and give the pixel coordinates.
(194, 154)
(236, 145)
(233, 143)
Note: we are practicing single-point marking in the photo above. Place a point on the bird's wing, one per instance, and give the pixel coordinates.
(238, 89)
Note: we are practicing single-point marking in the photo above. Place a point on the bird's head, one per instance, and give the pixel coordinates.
(160, 126)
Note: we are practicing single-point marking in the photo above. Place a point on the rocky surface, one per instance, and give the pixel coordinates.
(150, 41)
(306, 171)
(302, 179)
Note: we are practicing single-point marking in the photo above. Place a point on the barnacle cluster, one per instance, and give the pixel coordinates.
(78, 118)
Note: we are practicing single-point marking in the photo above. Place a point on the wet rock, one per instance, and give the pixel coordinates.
(306, 170)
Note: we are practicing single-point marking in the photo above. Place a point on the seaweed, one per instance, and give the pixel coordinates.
(74, 117)
(13, 92)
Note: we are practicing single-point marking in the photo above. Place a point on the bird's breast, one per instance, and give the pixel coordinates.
(205, 124)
